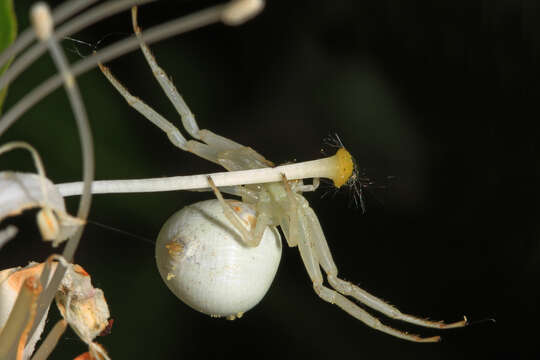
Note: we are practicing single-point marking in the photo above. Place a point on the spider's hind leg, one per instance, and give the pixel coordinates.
(348, 289)
(302, 233)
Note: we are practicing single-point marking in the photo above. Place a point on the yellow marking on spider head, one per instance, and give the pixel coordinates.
(345, 167)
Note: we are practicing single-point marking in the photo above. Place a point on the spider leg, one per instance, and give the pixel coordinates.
(300, 230)
(174, 135)
(188, 120)
(247, 195)
(213, 147)
(214, 144)
(348, 289)
(300, 188)
(250, 237)
(218, 143)
(172, 131)
(209, 152)
(218, 149)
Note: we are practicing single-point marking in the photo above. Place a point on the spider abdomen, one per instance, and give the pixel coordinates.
(203, 261)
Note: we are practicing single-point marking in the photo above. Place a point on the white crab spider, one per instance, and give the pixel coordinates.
(279, 203)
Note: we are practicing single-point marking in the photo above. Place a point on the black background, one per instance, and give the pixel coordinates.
(441, 96)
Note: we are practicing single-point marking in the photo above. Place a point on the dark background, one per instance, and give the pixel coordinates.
(441, 96)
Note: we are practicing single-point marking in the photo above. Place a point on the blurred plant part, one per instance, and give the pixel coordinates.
(43, 24)
(50, 341)
(20, 327)
(19, 288)
(82, 306)
(7, 234)
(240, 11)
(61, 13)
(8, 33)
(22, 191)
(88, 355)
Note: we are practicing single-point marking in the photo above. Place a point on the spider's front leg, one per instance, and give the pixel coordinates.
(250, 237)
(209, 146)
(305, 230)
(212, 147)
